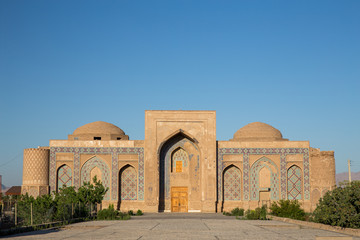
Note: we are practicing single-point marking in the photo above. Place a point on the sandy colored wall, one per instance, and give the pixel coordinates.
(36, 171)
(199, 125)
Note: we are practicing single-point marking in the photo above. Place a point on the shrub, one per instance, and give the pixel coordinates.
(226, 213)
(237, 212)
(131, 212)
(139, 213)
(288, 209)
(124, 216)
(340, 207)
(257, 214)
(108, 214)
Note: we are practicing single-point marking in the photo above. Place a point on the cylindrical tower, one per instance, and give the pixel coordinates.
(36, 171)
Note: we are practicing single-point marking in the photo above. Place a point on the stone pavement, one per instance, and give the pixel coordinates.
(183, 226)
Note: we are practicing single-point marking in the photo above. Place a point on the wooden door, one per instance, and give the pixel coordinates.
(179, 199)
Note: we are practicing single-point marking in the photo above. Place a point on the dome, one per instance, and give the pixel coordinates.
(258, 131)
(98, 131)
(98, 127)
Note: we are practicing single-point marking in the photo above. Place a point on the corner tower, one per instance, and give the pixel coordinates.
(36, 171)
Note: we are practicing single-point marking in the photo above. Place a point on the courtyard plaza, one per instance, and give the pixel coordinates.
(183, 226)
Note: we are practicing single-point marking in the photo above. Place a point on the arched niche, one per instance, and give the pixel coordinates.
(179, 160)
(294, 183)
(92, 163)
(232, 184)
(64, 176)
(178, 142)
(265, 177)
(128, 183)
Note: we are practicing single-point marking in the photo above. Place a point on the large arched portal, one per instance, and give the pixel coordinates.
(179, 178)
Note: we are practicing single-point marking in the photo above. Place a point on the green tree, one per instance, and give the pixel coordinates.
(340, 207)
(43, 209)
(24, 209)
(65, 202)
(92, 193)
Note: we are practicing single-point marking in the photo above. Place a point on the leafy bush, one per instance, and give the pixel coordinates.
(139, 213)
(237, 212)
(257, 214)
(340, 207)
(108, 214)
(288, 209)
(123, 216)
(131, 212)
(112, 214)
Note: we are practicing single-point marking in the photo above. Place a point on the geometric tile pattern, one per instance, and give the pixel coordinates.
(166, 165)
(283, 152)
(114, 151)
(274, 179)
(181, 156)
(105, 172)
(128, 184)
(294, 183)
(64, 177)
(283, 175)
(232, 184)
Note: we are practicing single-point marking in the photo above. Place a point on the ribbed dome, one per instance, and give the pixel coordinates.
(258, 131)
(98, 127)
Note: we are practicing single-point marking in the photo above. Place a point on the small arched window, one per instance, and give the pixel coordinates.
(179, 158)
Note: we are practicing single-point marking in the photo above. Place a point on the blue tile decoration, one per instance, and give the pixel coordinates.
(294, 183)
(232, 184)
(99, 150)
(283, 152)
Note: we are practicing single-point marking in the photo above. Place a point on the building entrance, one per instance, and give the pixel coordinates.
(179, 199)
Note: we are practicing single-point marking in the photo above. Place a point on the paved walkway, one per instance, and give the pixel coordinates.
(182, 226)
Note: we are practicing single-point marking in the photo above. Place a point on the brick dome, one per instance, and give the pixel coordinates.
(98, 127)
(99, 131)
(258, 131)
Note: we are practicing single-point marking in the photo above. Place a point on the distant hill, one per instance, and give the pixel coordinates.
(4, 188)
(345, 176)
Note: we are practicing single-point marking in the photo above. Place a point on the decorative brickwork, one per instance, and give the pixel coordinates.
(274, 178)
(98, 150)
(64, 177)
(232, 184)
(36, 166)
(294, 183)
(105, 172)
(128, 184)
(265, 151)
(180, 155)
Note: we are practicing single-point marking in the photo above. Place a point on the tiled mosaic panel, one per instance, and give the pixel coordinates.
(264, 151)
(274, 181)
(294, 183)
(166, 166)
(179, 155)
(105, 172)
(232, 184)
(98, 150)
(128, 184)
(283, 176)
(64, 177)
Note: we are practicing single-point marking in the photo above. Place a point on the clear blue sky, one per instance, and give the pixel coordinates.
(292, 64)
